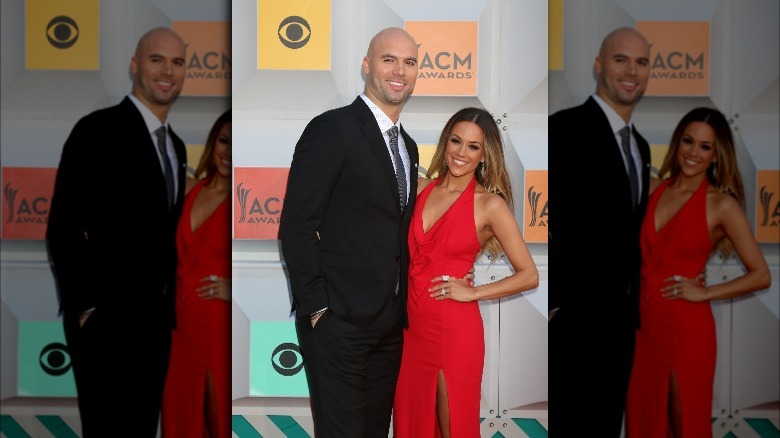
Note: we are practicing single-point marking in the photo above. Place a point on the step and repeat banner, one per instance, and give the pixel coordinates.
(61, 61)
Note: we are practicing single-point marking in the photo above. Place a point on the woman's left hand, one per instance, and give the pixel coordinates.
(456, 289)
(689, 289)
(215, 287)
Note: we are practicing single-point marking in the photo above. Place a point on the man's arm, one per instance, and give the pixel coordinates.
(68, 231)
(316, 164)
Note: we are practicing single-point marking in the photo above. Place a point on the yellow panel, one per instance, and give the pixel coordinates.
(62, 35)
(293, 34)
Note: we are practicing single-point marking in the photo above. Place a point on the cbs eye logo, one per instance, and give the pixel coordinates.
(55, 359)
(287, 359)
(294, 32)
(62, 32)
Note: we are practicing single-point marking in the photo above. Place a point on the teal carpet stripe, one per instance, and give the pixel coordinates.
(531, 427)
(288, 426)
(763, 427)
(10, 428)
(243, 429)
(498, 435)
(56, 426)
(730, 435)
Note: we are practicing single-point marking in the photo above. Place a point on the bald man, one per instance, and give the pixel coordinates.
(343, 230)
(595, 216)
(111, 236)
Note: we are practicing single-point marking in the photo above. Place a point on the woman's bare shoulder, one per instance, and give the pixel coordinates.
(654, 183)
(488, 201)
(722, 202)
(422, 183)
(189, 183)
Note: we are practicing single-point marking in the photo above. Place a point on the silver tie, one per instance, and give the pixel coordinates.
(633, 179)
(167, 168)
(400, 172)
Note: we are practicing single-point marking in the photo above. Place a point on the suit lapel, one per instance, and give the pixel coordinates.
(644, 151)
(414, 159)
(181, 156)
(378, 146)
(613, 157)
(140, 137)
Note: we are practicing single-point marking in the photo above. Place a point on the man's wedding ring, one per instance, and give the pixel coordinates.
(446, 278)
(678, 278)
(213, 278)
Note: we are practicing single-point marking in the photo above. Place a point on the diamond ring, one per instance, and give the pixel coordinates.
(213, 278)
(678, 278)
(443, 292)
(446, 278)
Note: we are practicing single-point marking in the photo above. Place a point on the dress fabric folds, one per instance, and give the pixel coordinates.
(444, 335)
(201, 341)
(675, 336)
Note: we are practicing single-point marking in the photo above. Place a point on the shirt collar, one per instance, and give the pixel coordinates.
(382, 119)
(615, 121)
(151, 120)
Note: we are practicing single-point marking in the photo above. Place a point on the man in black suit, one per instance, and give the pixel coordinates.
(597, 196)
(111, 236)
(343, 232)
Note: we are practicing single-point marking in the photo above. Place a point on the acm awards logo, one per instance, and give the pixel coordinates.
(287, 359)
(25, 211)
(770, 216)
(677, 65)
(445, 65)
(209, 65)
(294, 32)
(62, 32)
(256, 210)
(55, 359)
(538, 219)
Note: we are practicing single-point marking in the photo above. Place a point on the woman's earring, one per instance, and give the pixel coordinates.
(482, 170)
(714, 169)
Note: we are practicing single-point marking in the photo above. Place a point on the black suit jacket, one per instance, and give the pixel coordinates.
(342, 186)
(594, 230)
(110, 233)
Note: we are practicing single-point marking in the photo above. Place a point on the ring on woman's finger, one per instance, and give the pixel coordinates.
(211, 291)
(213, 278)
(678, 278)
(445, 278)
(443, 292)
(675, 291)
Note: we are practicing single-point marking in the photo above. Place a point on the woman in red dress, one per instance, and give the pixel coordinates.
(698, 210)
(464, 209)
(196, 400)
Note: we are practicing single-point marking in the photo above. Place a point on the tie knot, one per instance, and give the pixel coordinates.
(625, 132)
(393, 132)
(160, 133)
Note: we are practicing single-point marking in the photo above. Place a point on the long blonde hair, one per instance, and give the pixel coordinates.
(723, 173)
(206, 165)
(492, 174)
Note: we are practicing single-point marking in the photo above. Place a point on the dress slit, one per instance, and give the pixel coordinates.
(443, 334)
